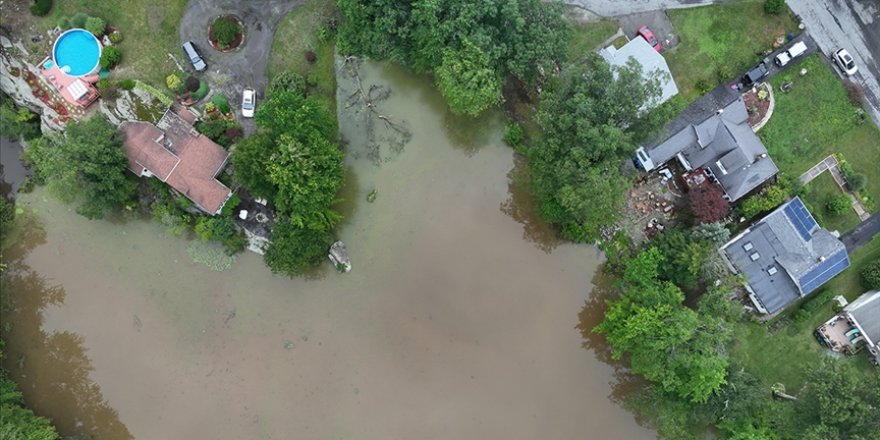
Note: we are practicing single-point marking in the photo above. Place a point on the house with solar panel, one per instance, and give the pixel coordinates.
(785, 256)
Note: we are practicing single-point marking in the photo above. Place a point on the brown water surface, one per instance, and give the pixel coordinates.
(459, 320)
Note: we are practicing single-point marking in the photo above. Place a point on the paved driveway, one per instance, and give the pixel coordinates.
(657, 21)
(851, 24)
(614, 8)
(230, 73)
(862, 234)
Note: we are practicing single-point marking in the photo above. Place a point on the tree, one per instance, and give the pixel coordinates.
(684, 257)
(17, 121)
(838, 205)
(838, 399)
(17, 421)
(707, 204)
(110, 57)
(225, 30)
(294, 249)
(88, 165)
(870, 275)
(467, 81)
(713, 232)
(96, 26)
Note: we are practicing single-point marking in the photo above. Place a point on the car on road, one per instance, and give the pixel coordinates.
(796, 50)
(845, 61)
(648, 35)
(248, 103)
(194, 57)
(755, 74)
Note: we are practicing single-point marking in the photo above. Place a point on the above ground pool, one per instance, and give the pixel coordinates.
(76, 52)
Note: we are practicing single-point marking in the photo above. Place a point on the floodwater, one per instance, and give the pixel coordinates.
(460, 319)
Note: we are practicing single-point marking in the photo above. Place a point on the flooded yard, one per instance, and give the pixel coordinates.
(460, 319)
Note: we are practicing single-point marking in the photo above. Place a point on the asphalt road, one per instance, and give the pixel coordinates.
(614, 8)
(855, 26)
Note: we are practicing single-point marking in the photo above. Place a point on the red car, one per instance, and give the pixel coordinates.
(646, 33)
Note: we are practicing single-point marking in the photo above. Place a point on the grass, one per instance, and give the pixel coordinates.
(821, 190)
(588, 36)
(299, 32)
(789, 353)
(723, 39)
(816, 119)
(149, 29)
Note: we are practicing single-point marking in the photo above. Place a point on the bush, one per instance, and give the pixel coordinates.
(230, 205)
(79, 20)
(514, 136)
(103, 84)
(818, 300)
(774, 6)
(110, 57)
(63, 23)
(759, 203)
(870, 275)
(288, 81)
(41, 7)
(96, 26)
(311, 57)
(202, 91)
(115, 37)
(172, 82)
(225, 30)
(126, 84)
(838, 205)
(221, 103)
(856, 181)
(192, 84)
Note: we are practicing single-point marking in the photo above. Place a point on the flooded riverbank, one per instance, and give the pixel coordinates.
(458, 320)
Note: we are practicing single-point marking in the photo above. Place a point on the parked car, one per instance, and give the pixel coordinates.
(796, 50)
(755, 74)
(194, 57)
(248, 103)
(646, 33)
(845, 61)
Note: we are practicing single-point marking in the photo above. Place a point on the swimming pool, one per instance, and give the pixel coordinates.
(76, 52)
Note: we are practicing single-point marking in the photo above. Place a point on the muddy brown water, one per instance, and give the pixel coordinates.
(460, 319)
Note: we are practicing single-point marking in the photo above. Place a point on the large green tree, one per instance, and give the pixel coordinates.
(86, 165)
(472, 46)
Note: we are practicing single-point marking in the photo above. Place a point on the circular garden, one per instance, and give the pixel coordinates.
(226, 33)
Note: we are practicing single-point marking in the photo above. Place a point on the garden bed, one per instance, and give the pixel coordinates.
(758, 103)
(236, 41)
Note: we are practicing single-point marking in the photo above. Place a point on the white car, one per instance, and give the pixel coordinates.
(845, 61)
(248, 103)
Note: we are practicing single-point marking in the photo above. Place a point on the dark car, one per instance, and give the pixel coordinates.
(755, 75)
(646, 33)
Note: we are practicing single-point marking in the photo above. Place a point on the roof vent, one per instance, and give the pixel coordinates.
(720, 111)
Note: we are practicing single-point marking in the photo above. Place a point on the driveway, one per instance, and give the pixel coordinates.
(862, 233)
(772, 68)
(615, 8)
(855, 26)
(230, 73)
(657, 21)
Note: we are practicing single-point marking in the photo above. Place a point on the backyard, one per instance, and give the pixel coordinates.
(149, 29)
(797, 140)
(587, 36)
(822, 190)
(309, 27)
(717, 43)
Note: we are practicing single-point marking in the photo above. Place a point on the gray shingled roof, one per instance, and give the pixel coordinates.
(865, 310)
(725, 144)
(774, 243)
(651, 61)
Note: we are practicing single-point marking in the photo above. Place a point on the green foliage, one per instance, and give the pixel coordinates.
(79, 20)
(467, 81)
(870, 275)
(287, 81)
(774, 6)
(221, 103)
(210, 255)
(838, 401)
(818, 300)
(683, 255)
(17, 122)
(116, 37)
(87, 165)
(110, 57)
(230, 205)
(41, 7)
(770, 198)
(127, 84)
(17, 421)
(169, 214)
(103, 84)
(515, 135)
(173, 82)
(203, 90)
(63, 23)
(215, 129)
(156, 93)
(838, 205)
(471, 46)
(715, 233)
(221, 229)
(96, 26)
(293, 249)
(7, 216)
(225, 30)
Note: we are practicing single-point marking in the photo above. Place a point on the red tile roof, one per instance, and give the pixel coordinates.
(179, 156)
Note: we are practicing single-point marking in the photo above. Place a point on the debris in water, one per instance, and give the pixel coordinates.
(289, 345)
(339, 257)
(137, 323)
(371, 197)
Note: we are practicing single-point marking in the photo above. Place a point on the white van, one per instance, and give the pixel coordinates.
(796, 50)
(194, 57)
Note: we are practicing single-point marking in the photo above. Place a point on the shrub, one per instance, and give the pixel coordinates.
(759, 203)
(103, 84)
(311, 57)
(202, 91)
(708, 204)
(96, 26)
(212, 129)
(79, 20)
(230, 205)
(288, 81)
(225, 30)
(870, 275)
(856, 181)
(192, 84)
(115, 37)
(63, 23)
(838, 205)
(221, 103)
(702, 85)
(41, 7)
(514, 136)
(126, 84)
(818, 300)
(110, 57)
(774, 6)
(172, 82)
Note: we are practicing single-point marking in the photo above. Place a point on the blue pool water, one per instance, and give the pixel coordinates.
(77, 52)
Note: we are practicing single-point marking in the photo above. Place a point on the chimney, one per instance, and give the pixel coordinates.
(821, 258)
(720, 111)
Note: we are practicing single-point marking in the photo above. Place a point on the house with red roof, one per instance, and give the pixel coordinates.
(175, 153)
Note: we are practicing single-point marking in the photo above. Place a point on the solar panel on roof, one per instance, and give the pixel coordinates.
(801, 219)
(824, 272)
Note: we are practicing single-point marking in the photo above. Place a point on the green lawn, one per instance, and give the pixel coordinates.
(816, 119)
(821, 190)
(298, 33)
(787, 354)
(721, 38)
(149, 29)
(587, 36)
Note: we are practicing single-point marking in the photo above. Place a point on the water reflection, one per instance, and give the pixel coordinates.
(470, 134)
(522, 207)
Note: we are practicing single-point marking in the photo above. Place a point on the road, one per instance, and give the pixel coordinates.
(851, 24)
(613, 8)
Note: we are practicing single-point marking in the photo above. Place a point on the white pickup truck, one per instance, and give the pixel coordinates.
(793, 52)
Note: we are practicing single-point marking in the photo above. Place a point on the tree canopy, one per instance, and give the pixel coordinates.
(87, 165)
(472, 47)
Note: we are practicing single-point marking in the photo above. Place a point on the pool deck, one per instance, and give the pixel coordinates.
(69, 87)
